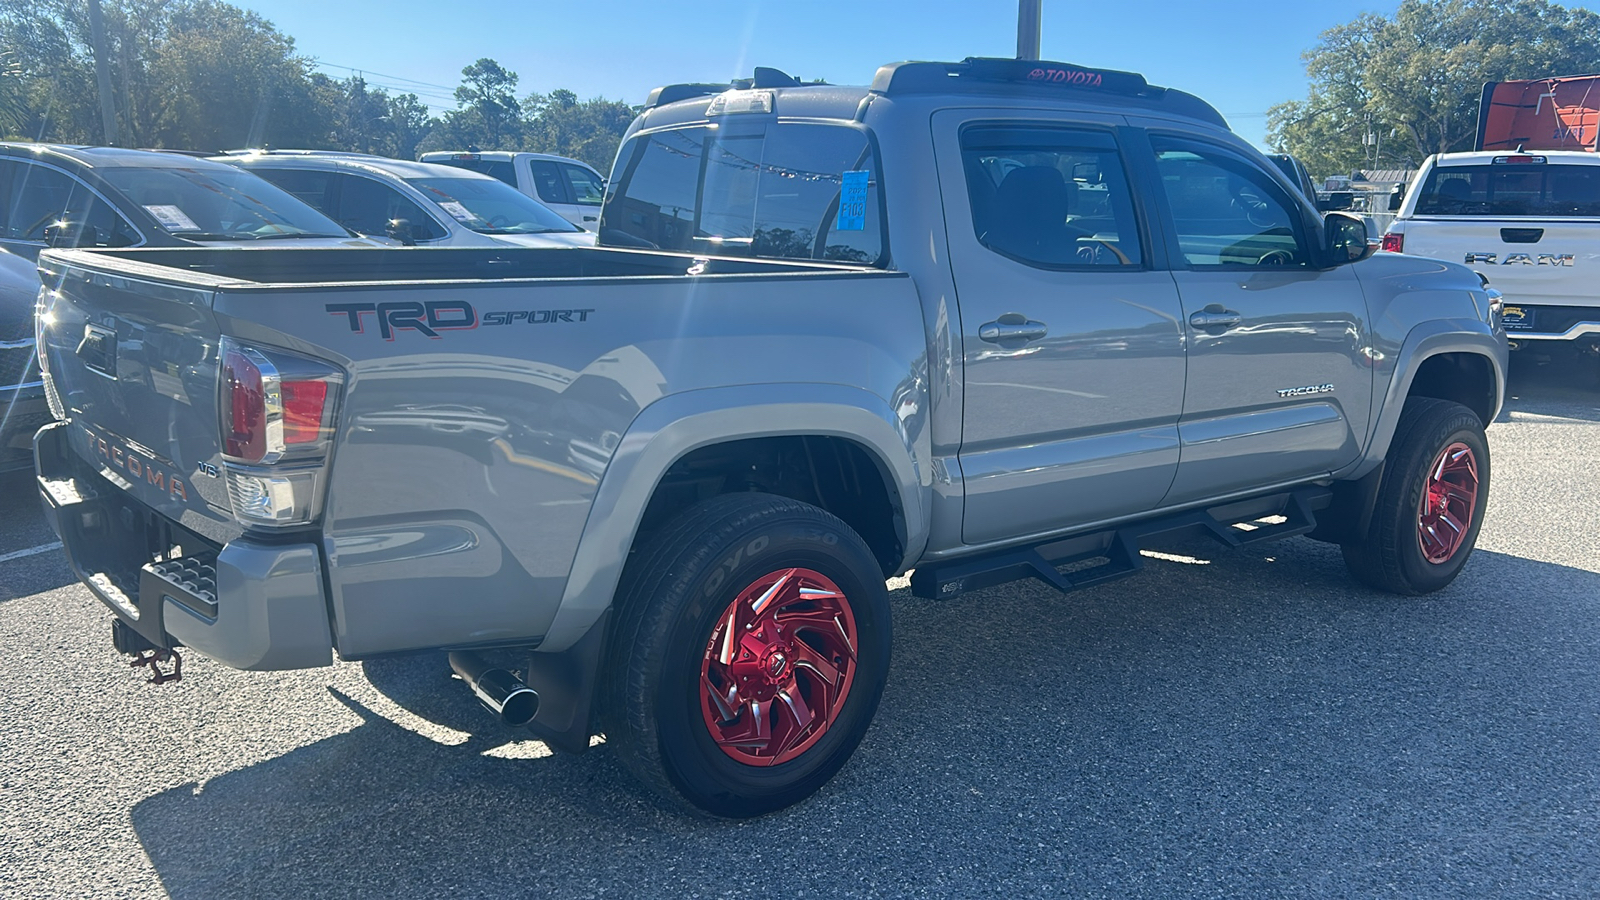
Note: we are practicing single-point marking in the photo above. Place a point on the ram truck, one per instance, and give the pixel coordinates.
(985, 320)
(1529, 223)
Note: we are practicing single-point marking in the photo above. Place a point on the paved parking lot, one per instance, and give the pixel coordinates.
(1250, 724)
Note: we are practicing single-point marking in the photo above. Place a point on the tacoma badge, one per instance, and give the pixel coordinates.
(1308, 389)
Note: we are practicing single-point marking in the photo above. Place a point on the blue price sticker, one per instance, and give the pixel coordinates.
(853, 202)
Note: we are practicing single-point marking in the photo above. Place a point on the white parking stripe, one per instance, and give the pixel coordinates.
(42, 548)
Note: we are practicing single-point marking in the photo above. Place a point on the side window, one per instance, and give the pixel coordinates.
(1227, 211)
(367, 206)
(38, 199)
(586, 187)
(41, 198)
(310, 185)
(1050, 197)
(548, 182)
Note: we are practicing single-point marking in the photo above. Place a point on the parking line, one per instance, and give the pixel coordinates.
(42, 548)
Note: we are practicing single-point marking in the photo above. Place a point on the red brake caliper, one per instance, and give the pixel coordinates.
(778, 667)
(1448, 501)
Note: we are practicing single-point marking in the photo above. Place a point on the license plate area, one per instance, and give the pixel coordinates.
(1516, 318)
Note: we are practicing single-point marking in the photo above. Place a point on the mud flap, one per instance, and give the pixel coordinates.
(566, 684)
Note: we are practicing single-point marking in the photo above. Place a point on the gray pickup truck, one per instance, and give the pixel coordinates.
(985, 320)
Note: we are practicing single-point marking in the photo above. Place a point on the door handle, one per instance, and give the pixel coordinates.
(1214, 316)
(1012, 329)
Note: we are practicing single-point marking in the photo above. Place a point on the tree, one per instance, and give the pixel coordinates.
(199, 74)
(488, 114)
(1416, 77)
(589, 130)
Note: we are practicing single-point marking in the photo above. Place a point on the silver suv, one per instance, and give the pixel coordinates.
(413, 203)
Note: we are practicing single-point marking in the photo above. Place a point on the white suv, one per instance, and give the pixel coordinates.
(568, 186)
(411, 202)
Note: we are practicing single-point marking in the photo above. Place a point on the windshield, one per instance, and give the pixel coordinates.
(1505, 190)
(491, 207)
(219, 204)
(795, 191)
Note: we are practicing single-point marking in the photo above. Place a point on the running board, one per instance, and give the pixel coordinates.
(1232, 525)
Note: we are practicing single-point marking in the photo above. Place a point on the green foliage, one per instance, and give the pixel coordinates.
(206, 75)
(1414, 79)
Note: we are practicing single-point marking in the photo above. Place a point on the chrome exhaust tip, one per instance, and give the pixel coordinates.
(500, 691)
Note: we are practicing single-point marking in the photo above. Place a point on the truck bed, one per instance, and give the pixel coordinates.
(483, 396)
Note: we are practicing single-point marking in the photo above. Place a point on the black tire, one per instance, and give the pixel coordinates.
(672, 603)
(1391, 555)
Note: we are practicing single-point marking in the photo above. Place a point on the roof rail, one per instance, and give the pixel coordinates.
(985, 74)
(763, 77)
(275, 151)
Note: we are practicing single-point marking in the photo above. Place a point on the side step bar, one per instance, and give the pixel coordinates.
(1232, 525)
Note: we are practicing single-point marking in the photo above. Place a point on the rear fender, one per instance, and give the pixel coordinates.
(681, 423)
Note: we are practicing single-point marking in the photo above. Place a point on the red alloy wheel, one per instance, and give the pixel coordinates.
(778, 667)
(1448, 502)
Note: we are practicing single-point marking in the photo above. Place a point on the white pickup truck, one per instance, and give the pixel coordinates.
(1527, 221)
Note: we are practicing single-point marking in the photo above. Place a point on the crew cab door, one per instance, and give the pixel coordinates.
(1071, 338)
(1279, 387)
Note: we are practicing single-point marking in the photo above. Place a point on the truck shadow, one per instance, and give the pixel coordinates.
(22, 526)
(1567, 387)
(1249, 721)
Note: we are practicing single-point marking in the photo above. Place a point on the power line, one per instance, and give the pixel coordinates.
(429, 84)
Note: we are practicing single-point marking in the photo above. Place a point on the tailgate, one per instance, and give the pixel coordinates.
(134, 363)
(1550, 262)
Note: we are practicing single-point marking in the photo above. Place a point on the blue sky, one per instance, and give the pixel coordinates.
(1242, 56)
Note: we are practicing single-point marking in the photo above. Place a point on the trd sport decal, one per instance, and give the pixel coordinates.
(435, 316)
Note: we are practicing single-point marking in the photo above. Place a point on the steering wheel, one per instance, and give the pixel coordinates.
(499, 221)
(1256, 211)
(1276, 258)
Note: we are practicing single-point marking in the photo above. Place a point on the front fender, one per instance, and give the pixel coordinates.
(1428, 339)
(679, 424)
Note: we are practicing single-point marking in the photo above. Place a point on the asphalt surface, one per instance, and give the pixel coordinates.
(1249, 724)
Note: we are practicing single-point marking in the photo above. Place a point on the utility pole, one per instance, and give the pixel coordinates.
(102, 72)
(1029, 14)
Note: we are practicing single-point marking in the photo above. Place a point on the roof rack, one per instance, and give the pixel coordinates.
(985, 74)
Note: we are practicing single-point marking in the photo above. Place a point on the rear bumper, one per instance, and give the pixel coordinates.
(246, 604)
(1553, 323)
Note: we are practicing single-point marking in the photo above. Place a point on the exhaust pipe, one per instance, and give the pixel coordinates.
(501, 692)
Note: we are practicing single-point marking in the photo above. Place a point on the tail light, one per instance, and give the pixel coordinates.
(43, 318)
(1394, 242)
(277, 416)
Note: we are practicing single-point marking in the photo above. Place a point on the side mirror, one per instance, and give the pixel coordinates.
(1346, 238)
(1397, 198)
(400, 230)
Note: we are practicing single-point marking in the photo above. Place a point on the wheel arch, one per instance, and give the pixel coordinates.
(1448, 359)
(761, 419)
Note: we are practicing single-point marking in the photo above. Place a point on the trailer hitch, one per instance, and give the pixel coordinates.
(154, 659)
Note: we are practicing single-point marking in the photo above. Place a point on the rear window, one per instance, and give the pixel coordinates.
(791, 191)
(218, 203)
(494, 168)
(1507, 190)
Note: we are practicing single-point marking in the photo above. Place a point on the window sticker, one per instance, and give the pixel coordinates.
(853, 202)
(461, 213)
(171, 217)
